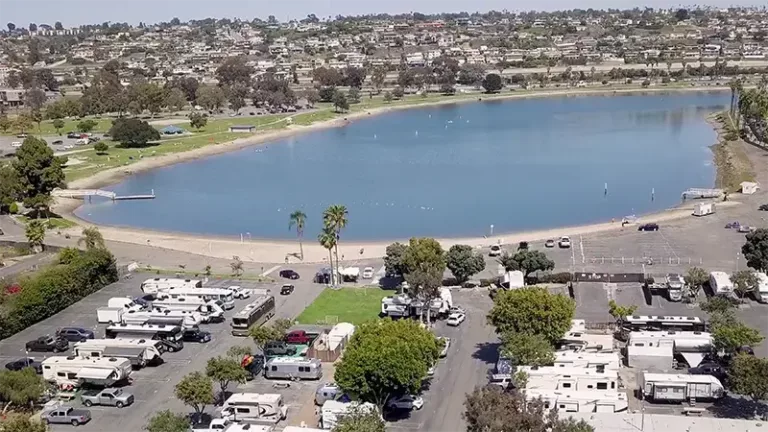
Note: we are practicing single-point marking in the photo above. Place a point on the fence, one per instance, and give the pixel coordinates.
(681, 261)
(609, 277)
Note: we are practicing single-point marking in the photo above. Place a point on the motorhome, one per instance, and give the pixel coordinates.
(125, 303)
(692, 346)
(139, 351)
(225, 296)
(583, 382)
(256, 313)
(720, 283)
(210, 310)
(170, 335)
(609, 360)
(293, 368)
(73, 371)
(681, 388)
(580, 401)
(254, 407)
(761, 290)
(633, 323)
(332, 411)
(439, 306)
(154, 286)
(186, 319)
(396, 306)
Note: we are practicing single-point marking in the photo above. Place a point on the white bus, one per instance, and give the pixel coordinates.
(171, 335)
(154, 286)
(225, 296)
(259, 311)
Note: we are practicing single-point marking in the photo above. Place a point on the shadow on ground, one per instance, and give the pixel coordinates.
(738, 407)
(487, 352)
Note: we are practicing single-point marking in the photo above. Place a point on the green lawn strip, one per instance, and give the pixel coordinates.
(352, 305)
(53, 223)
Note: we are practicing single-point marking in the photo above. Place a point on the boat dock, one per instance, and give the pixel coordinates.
(701, 193)
(82, 193)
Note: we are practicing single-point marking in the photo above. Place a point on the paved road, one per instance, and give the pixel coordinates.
(30, 263)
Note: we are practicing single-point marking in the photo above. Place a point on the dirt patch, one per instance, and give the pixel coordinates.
(730, 156)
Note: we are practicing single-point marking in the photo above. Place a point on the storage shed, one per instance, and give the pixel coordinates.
(748, 188)
(242, 128)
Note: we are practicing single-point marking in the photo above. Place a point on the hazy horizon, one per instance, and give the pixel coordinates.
(80, 12)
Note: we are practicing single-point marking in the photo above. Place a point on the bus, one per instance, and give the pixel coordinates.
(259, 311)
(225, 296)
(663, 323)
(154, 286)
(170, 335)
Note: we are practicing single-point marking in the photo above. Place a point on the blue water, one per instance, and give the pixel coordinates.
(444, 171)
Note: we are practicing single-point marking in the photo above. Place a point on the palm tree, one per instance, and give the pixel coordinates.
(92, 239)
(35, 232)
(327, 239)
(334, 220)
(298, 219)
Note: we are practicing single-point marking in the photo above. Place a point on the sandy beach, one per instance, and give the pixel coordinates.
(276, 251)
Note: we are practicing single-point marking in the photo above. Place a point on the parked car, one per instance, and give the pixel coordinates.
(763, 207)
(431, 371)
(66, 414)
(713, 369)
(495, 251)
(48, 343)
(196, 335)
(455, 319)
(20, 364)
(278, 348)
(406, 402)
(21, 135)
(240, 292)
(648, 227)
(57, 142)
(549, 243)
(75, 334)
(16, 144)
(110, 397)
(456, 309)
(298, 337)
(73, 135)
(368, 273)
(446, 345)
(289, 274)
(565, 242)
(287, 289)
(746, 229)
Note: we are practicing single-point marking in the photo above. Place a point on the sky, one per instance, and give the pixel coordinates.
(78, 12)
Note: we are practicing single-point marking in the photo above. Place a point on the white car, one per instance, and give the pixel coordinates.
(15, 144)
(368, 273)
(431, 370)
(406, 402)
(455, 319)
(565, 242)
(446, 345)
(456, 309)
(495, 251)
(239, 292)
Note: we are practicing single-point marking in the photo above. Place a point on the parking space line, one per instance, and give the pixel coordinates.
(266, 273)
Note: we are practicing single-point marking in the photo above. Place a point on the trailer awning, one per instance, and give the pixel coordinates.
(693, 359)
(94, 373)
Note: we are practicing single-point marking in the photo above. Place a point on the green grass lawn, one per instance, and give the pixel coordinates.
(352, 305)
(70, 125)
(52, 223)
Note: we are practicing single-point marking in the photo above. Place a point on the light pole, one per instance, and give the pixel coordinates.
(491, 229)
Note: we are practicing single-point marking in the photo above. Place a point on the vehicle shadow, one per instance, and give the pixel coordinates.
(487, 352)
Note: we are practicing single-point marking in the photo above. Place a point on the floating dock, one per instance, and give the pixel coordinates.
(701, 193)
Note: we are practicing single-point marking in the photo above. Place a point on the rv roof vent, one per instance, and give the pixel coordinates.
(142, 340)
(600, 368)
(70, 357)
(112, 359)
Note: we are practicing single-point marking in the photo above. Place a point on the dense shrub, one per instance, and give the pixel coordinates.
(57, 287)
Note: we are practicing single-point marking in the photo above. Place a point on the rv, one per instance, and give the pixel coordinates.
(513, 280)
(692, 346)
(671, 285)
(154, 286)
(139, 351)
(582, 382)
(210, 310)
(396, 306)
(170, 335)
(332, 411)
(185, 319)
(259, 311)
(580, 341)
(293, 368)
(720, 283)
(580, 401)
(73, 371)
(703, 209)
(761, 290)
(254, 407)
(635, 323)
(225, 296)
(349, 274)
(437, 307)
(125, 303)
(609, 360)
(681, 388)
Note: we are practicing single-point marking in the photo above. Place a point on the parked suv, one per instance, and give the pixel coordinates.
(278, 348)
(75, 334)
(648, 227)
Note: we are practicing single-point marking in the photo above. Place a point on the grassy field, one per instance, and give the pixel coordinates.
(352, 305)
(53, 223)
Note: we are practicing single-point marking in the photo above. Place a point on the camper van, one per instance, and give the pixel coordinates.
(293, 368)
(681, 388)
(720, 283)
(139, 351)
(210, 310)
(73, 371)
(154, 286)
(332, 411)
(254, 407)
(761, 290)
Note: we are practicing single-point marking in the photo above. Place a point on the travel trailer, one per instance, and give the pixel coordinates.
(580, 341)
(720, 283)
(332, 411)
(186, 319)
(256, 313)
(655, 355)
(692, 346)
(225, 296)
(154, 286)
(609, 360)
(109, 314)
(681, 388)
(761, 290)
(139, 351)
(209, 309)
(255, 407)
(293, 368)
(580, 401)
(73, 371)
(583, 381)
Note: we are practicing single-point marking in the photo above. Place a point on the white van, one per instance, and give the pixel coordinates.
(721, 284)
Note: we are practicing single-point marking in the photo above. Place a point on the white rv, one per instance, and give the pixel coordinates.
(125, 303)
(761, 290)
(396, 306)
(720, 283)
(332, 411)
(210, 310)
(250, 407)
(154, 286)
(109, 314)
(72, 371)
(608, 380)
(513, 280)
(609, 360)
(580, 341)
(139, 351)
(349, 274)
(225, 296)
(188, 319)
(704, 209)
(693, 346)
(580, 401)
(681, 388)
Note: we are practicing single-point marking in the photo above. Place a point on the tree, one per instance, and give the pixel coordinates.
(378, 77)
(471, 74)
(354, 95)
(335, 219)
(328, 77)
(327, 239)
(354, 76)
(39, 172)
(747, 376)
(188, 86)
(532, 310)
(398, 93)
(385, 358)
(730, 337)
(755, 250)
(23, 122)
(527, 349)
(263, 334)
(387, 97)
(491, 409)
(238, 351)
(234, 70)
(132, 132)
(530, 261)
(298, 220)
(22, 423)
(237, 266)
(682, 14)
(58, 26)
(492, 83)
(696, 277)
(11, 26)
(198, 120)
(168, 421)
(508, 262)
(463, 262)
(340, 102)
(225, 370)
(101, 147)
(35, 232)
(21, 388)
(32, 27)
(359, 419)
(196, 390)
(91, 238)
(58, 124)
(744, 282)
(10, 188)
(34, 98)
(86, 125)
(424, 261)
(175, 99)
(210, 97)
(312, 96)
(5, 123)
(619, 312)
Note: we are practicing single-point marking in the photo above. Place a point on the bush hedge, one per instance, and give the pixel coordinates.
(80, 273)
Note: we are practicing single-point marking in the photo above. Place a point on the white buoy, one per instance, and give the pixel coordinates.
(417, 133)
(374, 136)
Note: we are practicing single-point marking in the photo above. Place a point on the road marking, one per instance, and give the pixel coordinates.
(581, 246)
(266, 273)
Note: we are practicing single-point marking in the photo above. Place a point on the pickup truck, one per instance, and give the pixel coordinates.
(66, 414)
(110, 397)
(298, 337)
(47, 343)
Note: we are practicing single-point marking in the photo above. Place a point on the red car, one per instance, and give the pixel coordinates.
(298, 337)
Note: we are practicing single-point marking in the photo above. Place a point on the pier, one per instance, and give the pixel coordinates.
(82, 193)
(701, 193)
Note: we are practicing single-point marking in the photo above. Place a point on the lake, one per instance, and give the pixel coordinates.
(442, 171)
